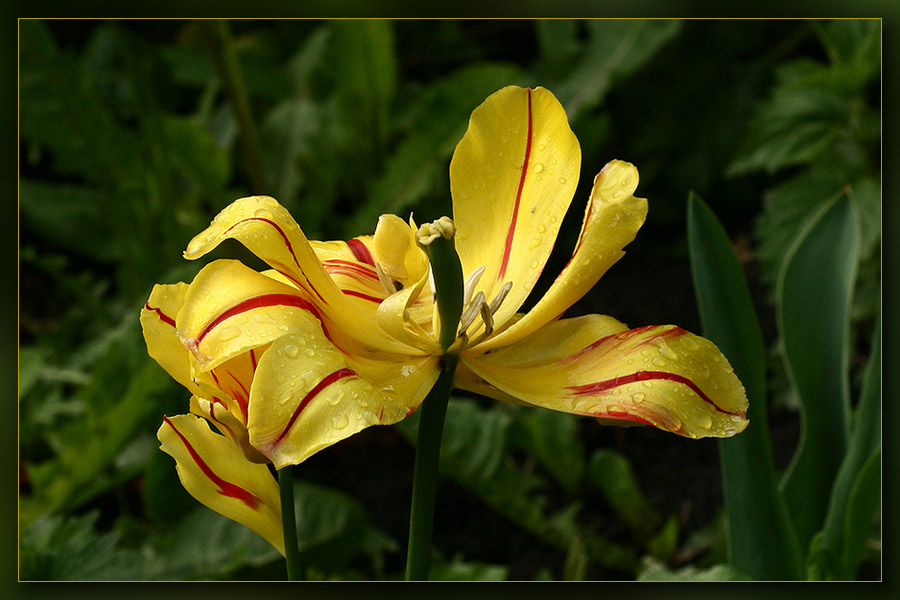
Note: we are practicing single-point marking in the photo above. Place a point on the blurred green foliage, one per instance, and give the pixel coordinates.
(134, 134)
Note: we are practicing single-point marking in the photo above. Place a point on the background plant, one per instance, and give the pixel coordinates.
(133, 134)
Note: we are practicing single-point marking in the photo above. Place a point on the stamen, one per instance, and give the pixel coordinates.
(386, 282)
(471, 281)
(470, 313)
(500, 297)
(488, 318)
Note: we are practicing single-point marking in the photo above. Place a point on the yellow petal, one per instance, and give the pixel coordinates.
(395, 317)
(158, 325)
(268, 230)
(228, 424)
(512, 178)
(611, 221)
(214, 471)
(230, 308)
(396, 250)
(658, 375)
(307, 395)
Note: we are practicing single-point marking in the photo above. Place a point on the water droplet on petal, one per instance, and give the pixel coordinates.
(309, 352)
(291, 351)
(647, 384)
(659, 362)
(542, 228)
(538, 167)
(229, 333)
(535, 263)
(638, 397)
(562, 180)
(340, 421)
(534, 243)
(285, 397)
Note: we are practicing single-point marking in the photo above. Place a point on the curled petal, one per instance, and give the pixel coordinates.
(611, 221)
(158, 325)
(659, 375)
(268, 230)
(512, 178)
(214, 471)
(217, 413)
(306, 395)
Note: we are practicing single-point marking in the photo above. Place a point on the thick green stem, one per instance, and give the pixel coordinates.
(289, 523)
(428, 450)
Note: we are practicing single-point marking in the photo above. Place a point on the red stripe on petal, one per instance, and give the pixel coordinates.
(356, 294)
(597, 387)
(348, 268)
(287, 243)
(226, 488)
(264, 301)
(360, 251)
(162, 316)
(326, 381)
(512, 227)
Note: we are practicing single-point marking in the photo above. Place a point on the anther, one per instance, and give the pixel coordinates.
(487, 317)
(472, 311)
(500, 297)
(471, 281)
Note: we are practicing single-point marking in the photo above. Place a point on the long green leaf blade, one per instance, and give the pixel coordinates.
(752, 498)
(814, 303)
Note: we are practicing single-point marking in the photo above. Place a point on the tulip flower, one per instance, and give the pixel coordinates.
(337, 336)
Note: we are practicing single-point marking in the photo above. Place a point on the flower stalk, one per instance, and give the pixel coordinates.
(437, 240)
(289, 523)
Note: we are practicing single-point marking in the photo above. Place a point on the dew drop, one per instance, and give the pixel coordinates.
(637, 397)
(285, 397)
(535, 263)
(659, 362)
(666, 351)
(553, 219)
(229, 333)
(647, 384)
(534, 243)
(538, 167)
(340, 421)
(542, 228)
(309, 352)
(291, 351)
(335, 399)
(562, 180)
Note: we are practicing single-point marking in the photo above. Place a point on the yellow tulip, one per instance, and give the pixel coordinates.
(338, 336)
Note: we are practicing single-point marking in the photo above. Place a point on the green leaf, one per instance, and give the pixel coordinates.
(865, 442)
(287, 132)
(459, 570)
(611, 471)
(57, 548)
(365, 71)
(795, 126)
(552, 438)
(748, 474)
(862, 511)
(615, 49)
(31, 361)
(813, 306)
(656, 571)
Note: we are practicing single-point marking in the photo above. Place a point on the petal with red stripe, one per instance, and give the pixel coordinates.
(307, 395)
(268, 230)
(512, 178)
(662, 376)
(611, 221)
(213, 470)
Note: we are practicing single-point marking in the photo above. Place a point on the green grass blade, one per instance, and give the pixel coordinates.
(813, 303)
(752, 498)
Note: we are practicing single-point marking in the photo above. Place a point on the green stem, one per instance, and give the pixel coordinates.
(425, 474)
(229, 69)
(289, 523)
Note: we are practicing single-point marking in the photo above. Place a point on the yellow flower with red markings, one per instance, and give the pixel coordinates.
(338, 336)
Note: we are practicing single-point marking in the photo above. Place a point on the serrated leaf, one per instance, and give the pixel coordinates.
(813, 306)
(748, 472)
